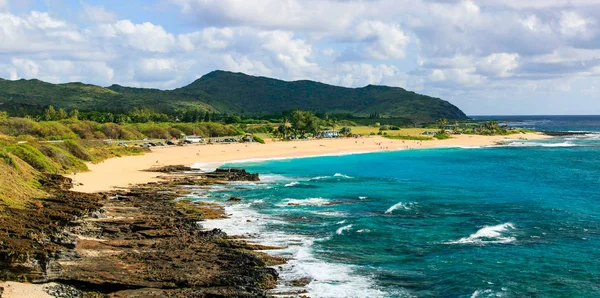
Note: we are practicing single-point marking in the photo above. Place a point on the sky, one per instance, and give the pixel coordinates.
(491, 57)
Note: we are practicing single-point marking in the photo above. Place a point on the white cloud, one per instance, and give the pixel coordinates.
(452, 48)
(387, 41)
(245, 65)
(97, 14)
(498, 64)
(274, 14)
(153, 69)
(145, 36)
(361, 74)
(293, 54)
(212, 38)
(27, 67)
(573, 24)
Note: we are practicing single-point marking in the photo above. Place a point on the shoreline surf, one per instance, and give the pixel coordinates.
(121, 172)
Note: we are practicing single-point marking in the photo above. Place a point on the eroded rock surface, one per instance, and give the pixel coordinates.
(135, 243)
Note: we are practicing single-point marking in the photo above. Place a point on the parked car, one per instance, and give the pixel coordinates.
(122, 144)
(170, 143)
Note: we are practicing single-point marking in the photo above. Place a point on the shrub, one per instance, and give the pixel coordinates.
(257, 139)
(77, 150)
(441, 136)
(33, 157)
(63, 158)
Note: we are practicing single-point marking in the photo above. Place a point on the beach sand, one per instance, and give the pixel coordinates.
(124, 171)
(24, 290)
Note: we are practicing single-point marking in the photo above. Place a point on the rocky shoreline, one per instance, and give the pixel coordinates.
(139, 242)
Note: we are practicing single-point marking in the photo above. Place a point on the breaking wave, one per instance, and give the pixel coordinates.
(489, 234)
(399, 205)
(306, 202)
(341, 230)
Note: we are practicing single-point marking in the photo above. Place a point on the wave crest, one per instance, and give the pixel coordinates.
(399, 205)
(489, 234)
(306, 202)
(341, 230)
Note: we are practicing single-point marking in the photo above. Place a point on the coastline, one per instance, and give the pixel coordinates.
(123, 172)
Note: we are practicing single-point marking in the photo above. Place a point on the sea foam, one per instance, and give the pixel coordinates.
(407, 206)
(341, 230)
(488, 234)
(305, 202)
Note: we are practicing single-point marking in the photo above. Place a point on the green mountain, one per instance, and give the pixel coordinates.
(230, 93)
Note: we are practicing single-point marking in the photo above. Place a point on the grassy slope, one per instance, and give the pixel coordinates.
(227, 92)
(22, 165)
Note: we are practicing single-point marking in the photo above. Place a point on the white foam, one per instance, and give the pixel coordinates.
(488, 234)
(292, 184)
(407, 206)
(341, 230)
(341, 175)
(362, 198)
(364, 231)
(341, 222)
(330, 213)
(305, 202)
(538, 144)
(328, 279)
(564, 144)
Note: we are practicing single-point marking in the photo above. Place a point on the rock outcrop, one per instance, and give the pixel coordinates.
(135, 243)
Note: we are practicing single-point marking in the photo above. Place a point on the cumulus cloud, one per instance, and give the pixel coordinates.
(456, 49)
(293, 53)
(572, 24)
(386, 41)
(145, 36)
(498, 64)
(273, 14)
(97, 14)
(245, 65)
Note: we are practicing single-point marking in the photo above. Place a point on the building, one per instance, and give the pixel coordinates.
(328, 134)
(247, 138)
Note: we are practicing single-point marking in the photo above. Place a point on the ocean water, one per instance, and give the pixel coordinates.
(516, 221)
(575, 123)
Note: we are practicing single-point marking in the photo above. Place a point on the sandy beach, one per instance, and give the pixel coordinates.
(124, 171)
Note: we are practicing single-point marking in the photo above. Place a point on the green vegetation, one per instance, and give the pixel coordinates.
(258, 139)
(33, 157)
(219, 95)
(442, 136)
(72, 129)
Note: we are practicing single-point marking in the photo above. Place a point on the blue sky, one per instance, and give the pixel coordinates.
(487, 57)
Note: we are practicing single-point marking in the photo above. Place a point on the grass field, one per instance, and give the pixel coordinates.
(413, 132)
(367, 130)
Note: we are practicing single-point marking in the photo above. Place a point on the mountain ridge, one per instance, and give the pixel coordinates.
(229, 93)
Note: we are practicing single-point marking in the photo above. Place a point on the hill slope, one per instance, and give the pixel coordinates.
(227, 92)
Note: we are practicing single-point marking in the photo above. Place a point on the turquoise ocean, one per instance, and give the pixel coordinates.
(521, 220)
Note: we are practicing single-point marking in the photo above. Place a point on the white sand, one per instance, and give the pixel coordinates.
(124, 171)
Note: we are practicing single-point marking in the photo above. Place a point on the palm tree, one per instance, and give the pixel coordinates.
(285, 122)
(442, 122)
